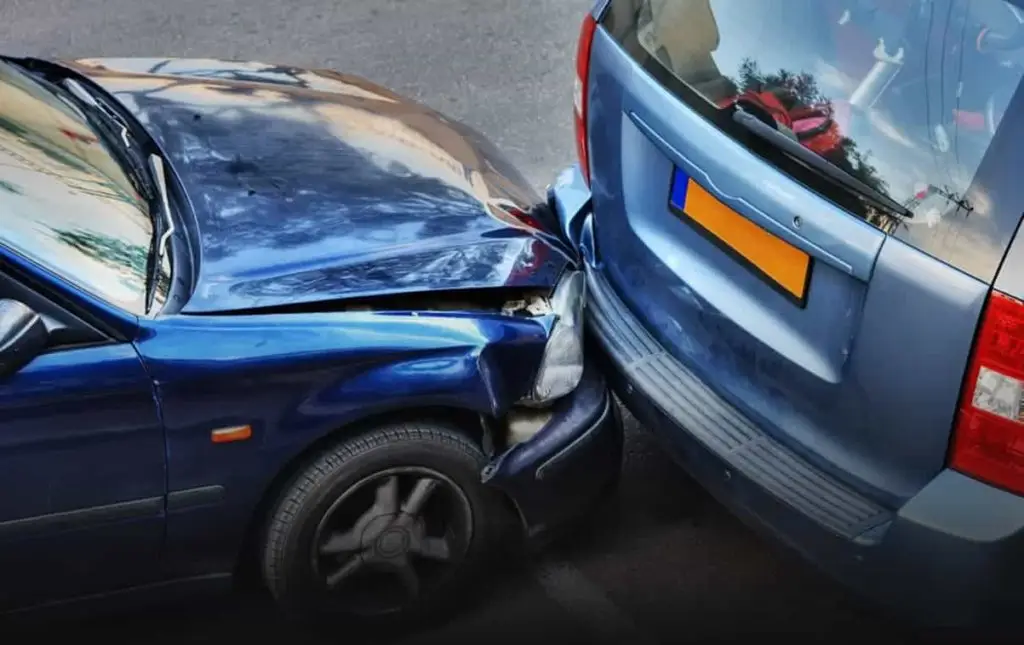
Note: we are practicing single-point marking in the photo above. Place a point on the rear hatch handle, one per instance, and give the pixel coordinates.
(757, 190)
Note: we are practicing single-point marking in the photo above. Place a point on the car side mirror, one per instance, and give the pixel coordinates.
(23, 336)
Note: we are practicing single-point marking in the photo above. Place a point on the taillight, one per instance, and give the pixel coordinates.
(529, 262)
(988, 440)
(579, 93)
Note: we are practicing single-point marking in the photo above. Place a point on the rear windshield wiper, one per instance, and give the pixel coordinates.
(866, 194)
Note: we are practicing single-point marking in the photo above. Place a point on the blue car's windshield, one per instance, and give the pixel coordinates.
(65, 202)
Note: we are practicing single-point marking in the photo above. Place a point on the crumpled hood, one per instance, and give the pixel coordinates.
(309, 186)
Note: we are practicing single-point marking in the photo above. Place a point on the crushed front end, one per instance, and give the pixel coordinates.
(558, 451)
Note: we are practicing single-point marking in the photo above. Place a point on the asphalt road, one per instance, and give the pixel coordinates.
(663, 563)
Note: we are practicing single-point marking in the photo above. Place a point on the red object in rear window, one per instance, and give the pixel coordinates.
(580, 93)
(972, 120)
(988, 440)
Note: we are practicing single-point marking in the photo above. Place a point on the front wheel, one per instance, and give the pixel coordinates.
(384, 528)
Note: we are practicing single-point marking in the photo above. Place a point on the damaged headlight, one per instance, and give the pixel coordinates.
(562, 366)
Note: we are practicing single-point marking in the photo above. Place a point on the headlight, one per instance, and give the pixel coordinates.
(562, 366)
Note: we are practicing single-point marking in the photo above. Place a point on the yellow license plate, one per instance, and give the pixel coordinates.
(782, 265)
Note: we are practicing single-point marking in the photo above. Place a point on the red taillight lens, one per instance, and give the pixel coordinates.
(988, 440)
(529, 262)
(579, 93)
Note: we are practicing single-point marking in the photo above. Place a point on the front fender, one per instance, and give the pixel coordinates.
(295, 378)
(486, 378)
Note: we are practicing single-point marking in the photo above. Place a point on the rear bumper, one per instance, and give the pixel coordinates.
(953, 555)
(570, 465)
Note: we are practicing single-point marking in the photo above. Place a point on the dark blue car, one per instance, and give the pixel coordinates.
(261, 315)
(800, 220)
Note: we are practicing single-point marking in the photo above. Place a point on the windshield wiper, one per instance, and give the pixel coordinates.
(866, 194)
(146, 174)
(118, 136)
(163, 229)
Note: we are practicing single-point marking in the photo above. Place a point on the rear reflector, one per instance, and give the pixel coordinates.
(579, 93)
(988, 440)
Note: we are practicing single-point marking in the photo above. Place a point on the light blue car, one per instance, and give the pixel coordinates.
(799, 221)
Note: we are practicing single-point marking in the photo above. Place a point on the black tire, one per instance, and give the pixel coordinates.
(296, 573)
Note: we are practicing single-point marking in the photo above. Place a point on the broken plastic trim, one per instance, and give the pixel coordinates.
(561, 367)
(523, 423)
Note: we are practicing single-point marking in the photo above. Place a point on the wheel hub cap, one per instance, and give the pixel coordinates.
(393, 543)
(399, 538)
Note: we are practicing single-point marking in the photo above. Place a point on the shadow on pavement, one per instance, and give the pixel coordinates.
(661, 551)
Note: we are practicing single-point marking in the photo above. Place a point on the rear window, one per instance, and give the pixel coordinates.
(907, 96)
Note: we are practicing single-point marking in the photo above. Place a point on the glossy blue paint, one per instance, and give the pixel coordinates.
(80, 430)
(382, 195)
(295, 378)
(298, 208)
(569, 196)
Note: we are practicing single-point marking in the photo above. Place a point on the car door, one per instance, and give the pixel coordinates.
(82, 484)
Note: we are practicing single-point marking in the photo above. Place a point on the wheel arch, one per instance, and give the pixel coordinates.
(469, 422)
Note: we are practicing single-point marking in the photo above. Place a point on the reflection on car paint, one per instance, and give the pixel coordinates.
(327, 187)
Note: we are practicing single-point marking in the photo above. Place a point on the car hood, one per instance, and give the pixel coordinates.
(308, 186)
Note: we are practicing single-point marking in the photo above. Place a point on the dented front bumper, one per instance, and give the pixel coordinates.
(570, 464)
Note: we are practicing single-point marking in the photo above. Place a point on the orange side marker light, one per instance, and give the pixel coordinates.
(232, 434)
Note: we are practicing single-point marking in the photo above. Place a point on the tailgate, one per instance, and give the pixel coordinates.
(841, 331)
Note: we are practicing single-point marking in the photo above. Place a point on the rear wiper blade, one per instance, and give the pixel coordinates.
(794, 148)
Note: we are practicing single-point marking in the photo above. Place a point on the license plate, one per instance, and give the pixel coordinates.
(780, 264)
